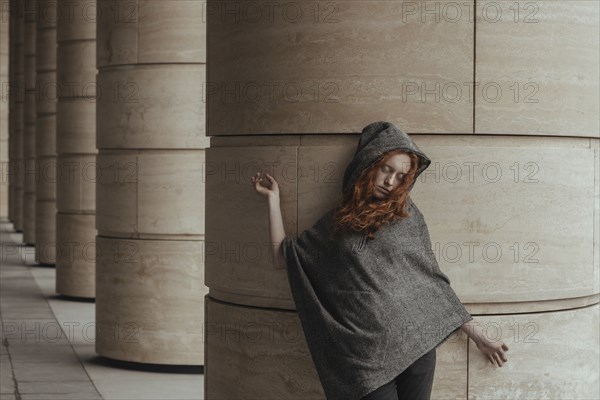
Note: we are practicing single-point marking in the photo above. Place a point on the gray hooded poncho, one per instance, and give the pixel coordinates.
(370, 308)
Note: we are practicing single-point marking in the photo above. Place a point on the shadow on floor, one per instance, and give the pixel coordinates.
(175, 369)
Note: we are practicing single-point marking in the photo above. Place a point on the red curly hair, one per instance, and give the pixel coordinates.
(356, 210)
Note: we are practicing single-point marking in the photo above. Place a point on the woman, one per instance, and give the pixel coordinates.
(371, 298)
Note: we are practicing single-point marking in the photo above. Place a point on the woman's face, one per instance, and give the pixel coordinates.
(390, 173)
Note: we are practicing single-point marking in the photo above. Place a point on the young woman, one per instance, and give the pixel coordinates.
(371, 298)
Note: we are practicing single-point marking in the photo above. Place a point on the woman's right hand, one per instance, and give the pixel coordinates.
(265, 184)
(495, 352)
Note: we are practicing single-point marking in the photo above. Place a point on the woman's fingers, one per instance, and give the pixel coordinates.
(501, 349)
(500, 358)
(260, 183)
(502, 355)
(495, 353)
(497, 359)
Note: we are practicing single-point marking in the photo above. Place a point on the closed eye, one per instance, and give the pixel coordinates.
(385, 168)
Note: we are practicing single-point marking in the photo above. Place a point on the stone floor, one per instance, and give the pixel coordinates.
(47, 349)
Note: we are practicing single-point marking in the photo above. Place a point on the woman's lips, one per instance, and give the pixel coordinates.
(383, 190)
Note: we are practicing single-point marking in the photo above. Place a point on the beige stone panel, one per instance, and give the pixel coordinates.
(173, 31)
(595, 145)
(320, 176)
(45, 139)
(18, 113)
(150, 294)
(46, 178)
(238, 251)
(134, 188)
(76, 73)
(30, 173)
(19, 73)
(451, 369)
(29, 31)
(4, 184)
(29, 107)
(464, 169)
(19, 208)
(20, 77)
(45, 234)
(19, 60)
(76, 183)
(116, 194)
(47, 92)
(48, 11)
(551, 355)
(76, 255)
(45, 53)
(151, 106)
(4, 29)
(118, 32)
(361, 61)
(4, 199)
(76, 126)
(241, 344)
(29, 74)
(169, 196)
(29, 218)
(254, 140)
(537, 69)
(508, 218)
(4, 116)
(249, 345)
(76, 20)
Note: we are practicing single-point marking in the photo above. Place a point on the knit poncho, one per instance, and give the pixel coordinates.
(370, 308)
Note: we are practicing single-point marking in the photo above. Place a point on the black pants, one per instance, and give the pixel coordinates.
(414, 383)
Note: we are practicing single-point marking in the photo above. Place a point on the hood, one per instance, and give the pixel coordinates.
(376, 139)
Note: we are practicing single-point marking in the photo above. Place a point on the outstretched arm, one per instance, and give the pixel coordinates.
(277, 231)
(267, 186)
(494, 351)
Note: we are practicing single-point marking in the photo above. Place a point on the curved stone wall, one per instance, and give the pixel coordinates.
(29, 158)
(45, 141)
(511, 198)
(16, 120)
(76, 148)
(150, 192)
(4, 105)
(11, 98)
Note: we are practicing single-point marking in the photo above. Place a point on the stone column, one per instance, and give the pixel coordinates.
(4, 105)
(75, 148)
(511, 198)
(150, 191)
(11, 93)
(45, 206)
(29, 162)
(17, 118)
(9, 97)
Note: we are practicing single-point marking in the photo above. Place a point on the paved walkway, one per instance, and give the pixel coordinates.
(47, 349)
